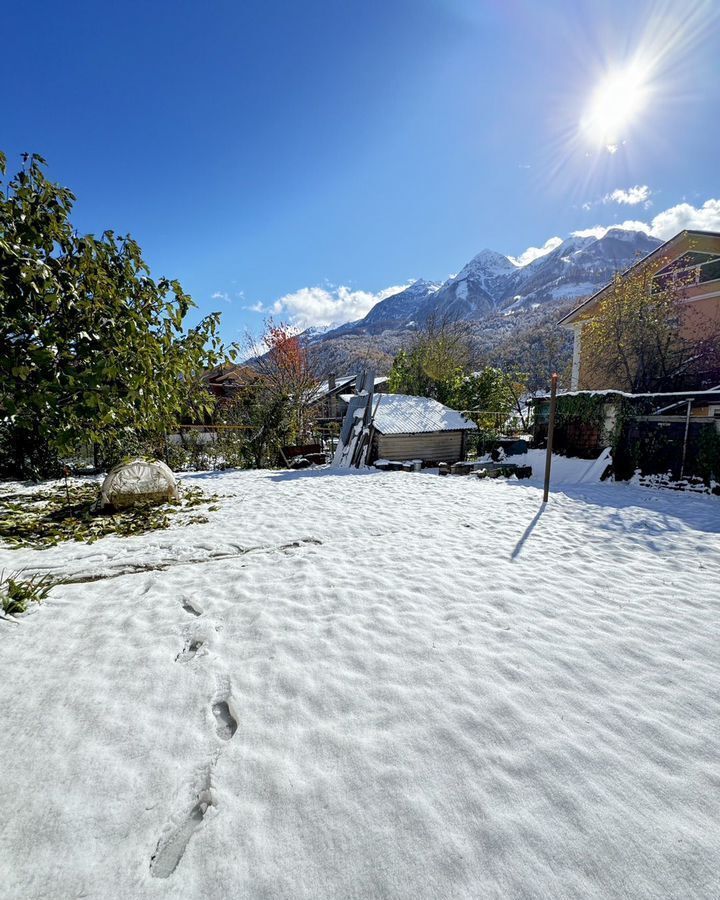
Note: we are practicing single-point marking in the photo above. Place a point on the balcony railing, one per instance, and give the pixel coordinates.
(688, 277)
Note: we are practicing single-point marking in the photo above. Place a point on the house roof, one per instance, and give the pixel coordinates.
(401, 414)
(342, 383)
(231, 373)
(569, 317)
(711, 395)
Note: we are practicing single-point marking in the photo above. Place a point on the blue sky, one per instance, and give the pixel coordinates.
(306, 157)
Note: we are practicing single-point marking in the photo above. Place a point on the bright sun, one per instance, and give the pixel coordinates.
(614, 107)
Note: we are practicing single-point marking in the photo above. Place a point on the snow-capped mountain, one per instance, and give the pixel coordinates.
(577, 267)
(473, 292)
(394, 312)
(492, 284)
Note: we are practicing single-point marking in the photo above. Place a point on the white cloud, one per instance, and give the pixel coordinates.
(319, 307)
(631, 197)
(668, 223)
(597, 231)
(532, 253)
(221, 295)
(677, 218)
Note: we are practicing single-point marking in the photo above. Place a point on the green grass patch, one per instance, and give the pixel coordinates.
(18, 592)
(49, 516)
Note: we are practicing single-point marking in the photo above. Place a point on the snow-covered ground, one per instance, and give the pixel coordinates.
(371, 685)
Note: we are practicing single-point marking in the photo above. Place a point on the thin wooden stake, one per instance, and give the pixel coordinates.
(685, 439)
(551, 430)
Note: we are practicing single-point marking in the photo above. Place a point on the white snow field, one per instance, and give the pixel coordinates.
(372, 685)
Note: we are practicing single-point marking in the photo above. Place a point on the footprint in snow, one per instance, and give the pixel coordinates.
(225, 721)
(191, 608)
(172, 844)
(192, 646)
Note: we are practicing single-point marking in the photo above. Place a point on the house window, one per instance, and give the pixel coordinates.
(691, 268)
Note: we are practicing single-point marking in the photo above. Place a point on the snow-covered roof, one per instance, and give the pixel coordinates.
(610, 393)
(342, 382)
(401, 414)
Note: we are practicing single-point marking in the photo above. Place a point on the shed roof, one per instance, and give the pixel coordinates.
(401, 414)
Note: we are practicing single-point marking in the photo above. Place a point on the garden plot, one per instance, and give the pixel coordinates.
(371, 685)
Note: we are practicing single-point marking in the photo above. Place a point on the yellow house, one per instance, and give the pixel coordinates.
(693, 259)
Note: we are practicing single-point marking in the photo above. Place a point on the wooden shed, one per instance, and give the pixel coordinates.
(418, 428)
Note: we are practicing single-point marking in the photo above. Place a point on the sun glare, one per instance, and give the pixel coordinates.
(614, 107)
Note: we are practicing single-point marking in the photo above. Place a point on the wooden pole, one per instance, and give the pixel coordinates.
(551, 430)
(685, 439)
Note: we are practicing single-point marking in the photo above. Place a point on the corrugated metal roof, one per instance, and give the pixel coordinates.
(401, 414)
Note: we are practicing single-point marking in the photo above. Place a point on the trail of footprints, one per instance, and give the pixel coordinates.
(177, 833)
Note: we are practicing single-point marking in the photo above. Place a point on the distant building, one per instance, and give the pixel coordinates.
(227, 379)
(693, 259)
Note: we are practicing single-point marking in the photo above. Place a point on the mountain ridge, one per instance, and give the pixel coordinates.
(492, 283)
(510, 310)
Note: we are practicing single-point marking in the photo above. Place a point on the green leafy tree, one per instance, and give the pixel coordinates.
(433, 363)
(490, 396)
(92, 349)
(490, 388)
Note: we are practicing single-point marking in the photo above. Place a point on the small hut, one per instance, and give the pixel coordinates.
(407, 428)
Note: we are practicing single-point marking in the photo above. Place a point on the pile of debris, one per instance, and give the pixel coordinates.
(356, 433)
(302, 456)
(693, 484)
(393, 465)
(495, 467)
(486, 469)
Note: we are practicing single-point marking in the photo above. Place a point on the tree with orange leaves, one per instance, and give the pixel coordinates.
(287, 373)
